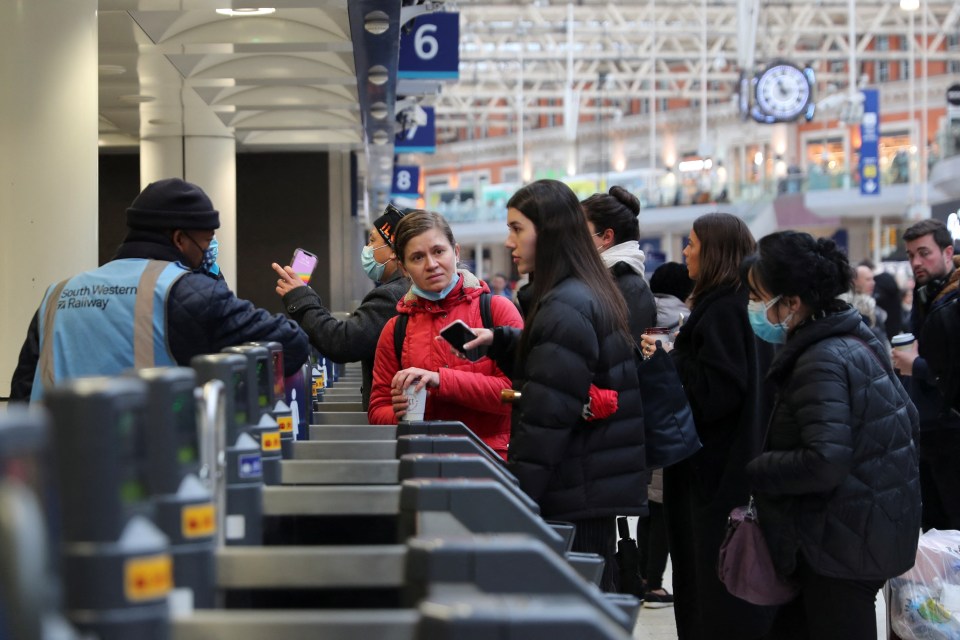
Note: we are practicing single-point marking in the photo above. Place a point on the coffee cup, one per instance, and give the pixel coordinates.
(902, 341)
(416, 403)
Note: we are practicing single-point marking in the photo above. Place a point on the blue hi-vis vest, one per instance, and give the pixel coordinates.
(105, 321)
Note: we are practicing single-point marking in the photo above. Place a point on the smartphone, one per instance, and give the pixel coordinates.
(457, 333)
(303, 263)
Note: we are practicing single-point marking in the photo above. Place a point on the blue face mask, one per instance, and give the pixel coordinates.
(373, 269)
(437, 295)
(766, 330)
(210, 257)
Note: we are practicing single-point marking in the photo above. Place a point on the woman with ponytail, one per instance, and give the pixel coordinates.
(837, 487)
(580, 464)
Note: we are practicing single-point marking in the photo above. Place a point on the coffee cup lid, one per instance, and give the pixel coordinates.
(902, 338)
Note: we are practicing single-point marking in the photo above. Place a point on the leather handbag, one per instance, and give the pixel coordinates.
(745, 565)
(671, 435)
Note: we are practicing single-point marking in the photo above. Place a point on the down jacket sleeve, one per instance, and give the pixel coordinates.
(820, 404)
(354, 338)
(204, 316)
(474, 389)
(385, 366)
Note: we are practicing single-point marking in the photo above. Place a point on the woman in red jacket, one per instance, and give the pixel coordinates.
(457, 389)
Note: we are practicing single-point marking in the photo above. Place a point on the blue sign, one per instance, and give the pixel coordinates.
(250, 465)
(870, 144)
(418, 133)
(432, 48)
(406, 182)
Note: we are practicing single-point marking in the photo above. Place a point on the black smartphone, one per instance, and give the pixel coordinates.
(303, 264)
(457, 333)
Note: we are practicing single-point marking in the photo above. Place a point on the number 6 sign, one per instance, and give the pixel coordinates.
(431, 49)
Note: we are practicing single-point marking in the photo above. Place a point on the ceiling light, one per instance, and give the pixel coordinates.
(909, 5)
(246, 12)
(136, 98)
(379, 110)
(376, 22)
(381, 137)
(378, 74)
(111, 69)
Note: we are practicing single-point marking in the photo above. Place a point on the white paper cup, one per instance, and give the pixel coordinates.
(902, 341)
(416, 403)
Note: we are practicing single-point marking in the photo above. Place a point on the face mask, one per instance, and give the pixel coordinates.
(434, 295)
(210, 257)
(373, 269)
(209, 260)
(766, 330)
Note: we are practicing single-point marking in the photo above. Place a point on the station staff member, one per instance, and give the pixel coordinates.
(155, 304)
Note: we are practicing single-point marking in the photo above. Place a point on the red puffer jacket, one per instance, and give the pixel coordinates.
(468, 391)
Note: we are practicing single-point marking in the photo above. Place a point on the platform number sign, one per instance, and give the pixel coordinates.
(406, 181)
(431, 48)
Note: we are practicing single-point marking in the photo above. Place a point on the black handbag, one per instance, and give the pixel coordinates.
(671, 435)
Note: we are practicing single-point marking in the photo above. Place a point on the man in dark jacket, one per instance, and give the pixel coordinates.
(356, 337)
(155, 304)
(930, 250)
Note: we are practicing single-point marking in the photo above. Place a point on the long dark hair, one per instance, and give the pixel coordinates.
(793, 263)
(725, 241)
(564, 250)
(615, 210)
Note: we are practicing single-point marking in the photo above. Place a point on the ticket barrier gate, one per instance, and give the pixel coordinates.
(117, 569)
(29, 566)
(243, 464)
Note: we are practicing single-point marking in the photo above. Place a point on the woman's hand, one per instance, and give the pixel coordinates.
(648, 344)
(399, 401)
(287, 281)
(484, 338)
(413, 375)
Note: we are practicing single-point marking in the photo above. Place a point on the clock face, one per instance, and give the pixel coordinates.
(783, 92)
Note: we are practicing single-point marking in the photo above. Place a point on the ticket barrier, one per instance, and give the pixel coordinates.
(258, 388)
(463, 569)
(116, 565)
(184, 508)
(243, 466)
(29, 554)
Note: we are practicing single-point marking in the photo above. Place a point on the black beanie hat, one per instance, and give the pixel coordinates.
(386, 224)
(172, 204)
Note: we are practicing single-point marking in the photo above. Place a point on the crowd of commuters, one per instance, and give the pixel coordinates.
(781, 347)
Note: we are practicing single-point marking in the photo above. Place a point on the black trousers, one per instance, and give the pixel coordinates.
(599, 535)
(696, 524)
(653, 547)
(940, 479)
(828, 609)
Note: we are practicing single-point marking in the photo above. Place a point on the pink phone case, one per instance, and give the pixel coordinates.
(303, 264)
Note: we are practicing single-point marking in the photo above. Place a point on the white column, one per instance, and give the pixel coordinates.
(478, 252)
(210, 163)
(48, 157)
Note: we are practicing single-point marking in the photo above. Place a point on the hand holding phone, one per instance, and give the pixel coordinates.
(457, 333)
(303, 263)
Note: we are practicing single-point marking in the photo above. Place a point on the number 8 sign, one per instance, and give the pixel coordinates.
(431, 49)
(406, 181)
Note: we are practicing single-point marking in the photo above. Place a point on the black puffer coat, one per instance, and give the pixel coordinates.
(641, 305)
(573, 468)
(838, 481)
(354, 338)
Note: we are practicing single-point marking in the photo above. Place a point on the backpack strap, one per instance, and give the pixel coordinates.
(399, 335)
(486, 314)
(400, 327)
